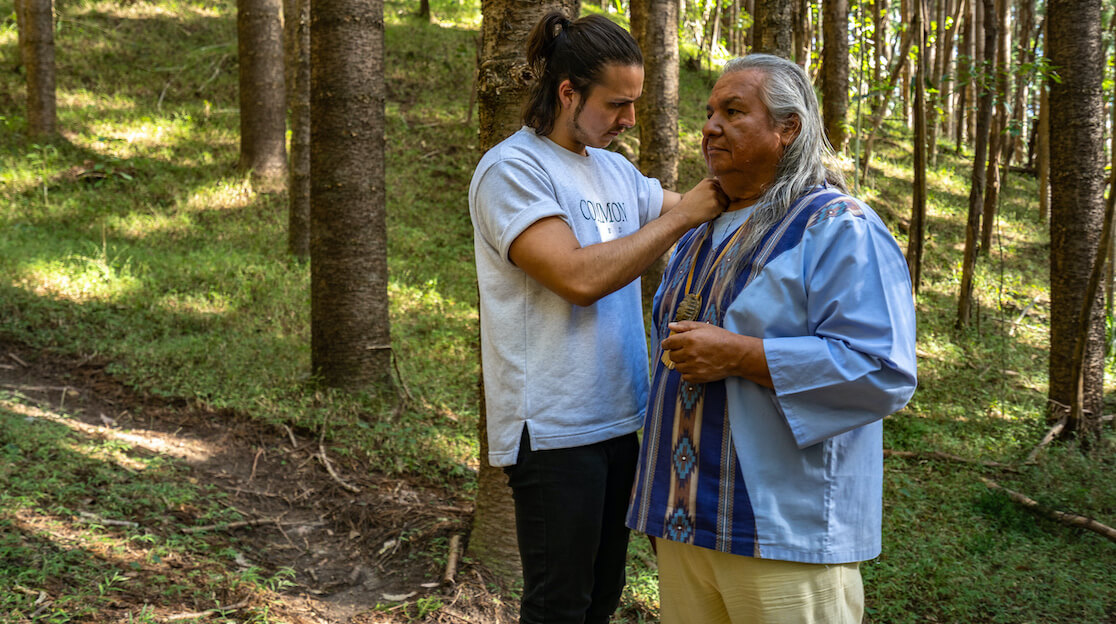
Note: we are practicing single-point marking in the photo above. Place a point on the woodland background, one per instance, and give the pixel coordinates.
(238, 327)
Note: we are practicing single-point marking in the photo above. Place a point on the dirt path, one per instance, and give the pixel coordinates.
(351, 551)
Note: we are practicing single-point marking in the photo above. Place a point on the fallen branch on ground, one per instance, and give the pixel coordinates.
(1065, 518)
(85, 516)
(451, 562)
(1047, 439)
(198, 614)
(225, 526)
(948, 457)
(329, 467)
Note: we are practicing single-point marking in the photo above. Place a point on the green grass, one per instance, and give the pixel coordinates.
(135, 240)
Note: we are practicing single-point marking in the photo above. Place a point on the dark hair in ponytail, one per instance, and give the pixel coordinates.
(558, 49)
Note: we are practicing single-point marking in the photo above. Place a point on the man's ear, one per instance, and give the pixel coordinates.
(791, 126)
(567, 94)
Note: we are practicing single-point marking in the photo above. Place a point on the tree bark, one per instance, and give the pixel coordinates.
(655, 26)
(298, 186)
(37, 42)
(263, 106)
(350, 338)
(835, 76)
(1043, 149)
(1076, 207)
(996, 136)
(917, 233)
(502, 82)
(773, 32)
(802, 34)
(1018, 110)
(976, 187)
(965, 58)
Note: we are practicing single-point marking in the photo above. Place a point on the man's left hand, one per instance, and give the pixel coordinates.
(703, 353)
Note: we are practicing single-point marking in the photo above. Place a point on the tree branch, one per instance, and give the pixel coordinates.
(1068, 519)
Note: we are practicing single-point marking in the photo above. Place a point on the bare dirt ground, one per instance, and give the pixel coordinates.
(359, 556)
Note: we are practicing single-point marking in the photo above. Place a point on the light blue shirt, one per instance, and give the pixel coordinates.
(836, 316)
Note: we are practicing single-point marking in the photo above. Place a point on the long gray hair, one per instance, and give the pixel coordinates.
(809, 159)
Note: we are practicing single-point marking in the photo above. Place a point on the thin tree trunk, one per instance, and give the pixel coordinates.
(263, 105)
(996, 136)
(878, 116)
(802, 34)
(942, 81)
(1018, 110)
(835, 78)
(1043, 147)
(976, 188)
(980, 70)
(502, 79)
(38, 59)
(905, 12)
(917, 233)
(1076, 209)
(1111, 277)
(298, 230)
(350, 337)
(965, 60)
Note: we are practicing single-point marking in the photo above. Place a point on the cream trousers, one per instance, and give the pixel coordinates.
(702, 586)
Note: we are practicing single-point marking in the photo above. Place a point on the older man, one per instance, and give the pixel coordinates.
(787, 333)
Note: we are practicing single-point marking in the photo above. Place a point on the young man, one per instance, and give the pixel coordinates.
(563, 230)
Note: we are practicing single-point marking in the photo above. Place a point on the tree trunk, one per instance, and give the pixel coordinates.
(21, 30)
(502, 82)
(298, 188)
(802, 34)
(917, 232)
(350, 337)
(38, 58)
(996, 136)
(1076, 207)
(424, 10)
(263, 106)
(1043, 149)
(906, 13)
(965, 57)
(1018, 110)
(655, 26)
(942, 80)
(976, 188)
(773, 30)
(835, 76)
(877, 117)
(879, 44)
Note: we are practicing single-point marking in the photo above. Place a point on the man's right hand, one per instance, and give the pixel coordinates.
(702, 203)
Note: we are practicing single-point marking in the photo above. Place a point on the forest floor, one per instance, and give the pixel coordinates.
(350, 556)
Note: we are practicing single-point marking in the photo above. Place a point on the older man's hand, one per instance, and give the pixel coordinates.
(703, 353)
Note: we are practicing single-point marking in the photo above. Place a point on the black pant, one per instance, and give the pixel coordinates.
(570, 506)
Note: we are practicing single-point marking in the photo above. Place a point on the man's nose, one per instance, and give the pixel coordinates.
(627, 115)
(712, 126)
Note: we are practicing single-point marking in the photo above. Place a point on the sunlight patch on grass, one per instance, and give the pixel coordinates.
(209, 304)
(142, 225)
(80, 277)
(224, 195)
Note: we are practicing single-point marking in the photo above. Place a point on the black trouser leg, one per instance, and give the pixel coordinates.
(570, 506)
